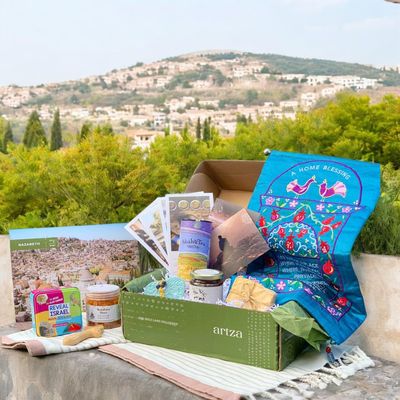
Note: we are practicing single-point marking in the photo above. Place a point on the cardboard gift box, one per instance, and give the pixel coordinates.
(230, 180)
(238, 335)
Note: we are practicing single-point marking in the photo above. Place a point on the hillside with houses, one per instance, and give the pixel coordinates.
(145, 100)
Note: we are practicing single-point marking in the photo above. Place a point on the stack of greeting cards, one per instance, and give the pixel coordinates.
(157, 227)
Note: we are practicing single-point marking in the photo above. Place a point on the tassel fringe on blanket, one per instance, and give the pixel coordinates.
(301, 388)
(216, 379)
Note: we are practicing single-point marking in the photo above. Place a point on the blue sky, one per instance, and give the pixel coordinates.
(48, 41)
(86, 232)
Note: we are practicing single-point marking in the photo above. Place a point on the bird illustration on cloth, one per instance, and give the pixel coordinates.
(338, 188)
(294, 186)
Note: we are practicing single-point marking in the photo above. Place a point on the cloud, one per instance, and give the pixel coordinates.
(373, 23)
(320, 28)
(313, 4)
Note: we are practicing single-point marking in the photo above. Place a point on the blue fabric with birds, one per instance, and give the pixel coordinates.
(311, 210)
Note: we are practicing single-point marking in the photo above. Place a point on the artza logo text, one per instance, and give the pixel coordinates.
(227, 332)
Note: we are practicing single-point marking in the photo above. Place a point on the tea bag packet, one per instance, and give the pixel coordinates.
(182, 206)
(194, 246)
(250, 295)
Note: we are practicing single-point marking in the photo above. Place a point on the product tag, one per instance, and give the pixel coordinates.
(331, 358)
(103, 313)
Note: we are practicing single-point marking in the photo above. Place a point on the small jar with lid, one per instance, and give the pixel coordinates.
(102, 306)
(206, 286)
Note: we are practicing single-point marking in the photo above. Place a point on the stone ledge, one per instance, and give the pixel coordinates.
(86, 375)
(92, 375)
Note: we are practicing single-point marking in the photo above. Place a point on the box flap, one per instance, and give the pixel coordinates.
(238, 197)
(202, 182)
(232, 180)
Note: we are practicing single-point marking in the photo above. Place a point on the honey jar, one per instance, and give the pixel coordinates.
(102, 306)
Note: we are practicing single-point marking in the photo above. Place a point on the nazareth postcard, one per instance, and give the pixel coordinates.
(70, 256)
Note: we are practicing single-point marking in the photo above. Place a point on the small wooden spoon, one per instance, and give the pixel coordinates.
(89, 332)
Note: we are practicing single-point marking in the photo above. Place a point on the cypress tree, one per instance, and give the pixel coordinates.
(198, 129)
(185, 132)
(56, 135)
(85, 131)
(106, 130)
(34, 132)
(8, 137)
(207, 130)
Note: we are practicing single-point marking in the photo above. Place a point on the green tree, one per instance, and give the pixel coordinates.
(241, 119)
(105, 129)
(56, 135)
(74, 99)
(251, 96)
(8, 137)
(207, 129)
(102, 180)
(185, 132)
(34, 132)
(85, 131)
(3, 125)
(198, 129)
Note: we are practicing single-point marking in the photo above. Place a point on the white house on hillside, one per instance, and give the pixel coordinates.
(350, 81)
(308, 100)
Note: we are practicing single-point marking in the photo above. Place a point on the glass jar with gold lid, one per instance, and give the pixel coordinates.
(206, 286)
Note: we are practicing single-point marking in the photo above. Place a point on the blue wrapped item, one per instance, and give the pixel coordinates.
(312, 209)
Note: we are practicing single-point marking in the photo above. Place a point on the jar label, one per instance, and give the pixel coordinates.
(205, 294)
(103, 313)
